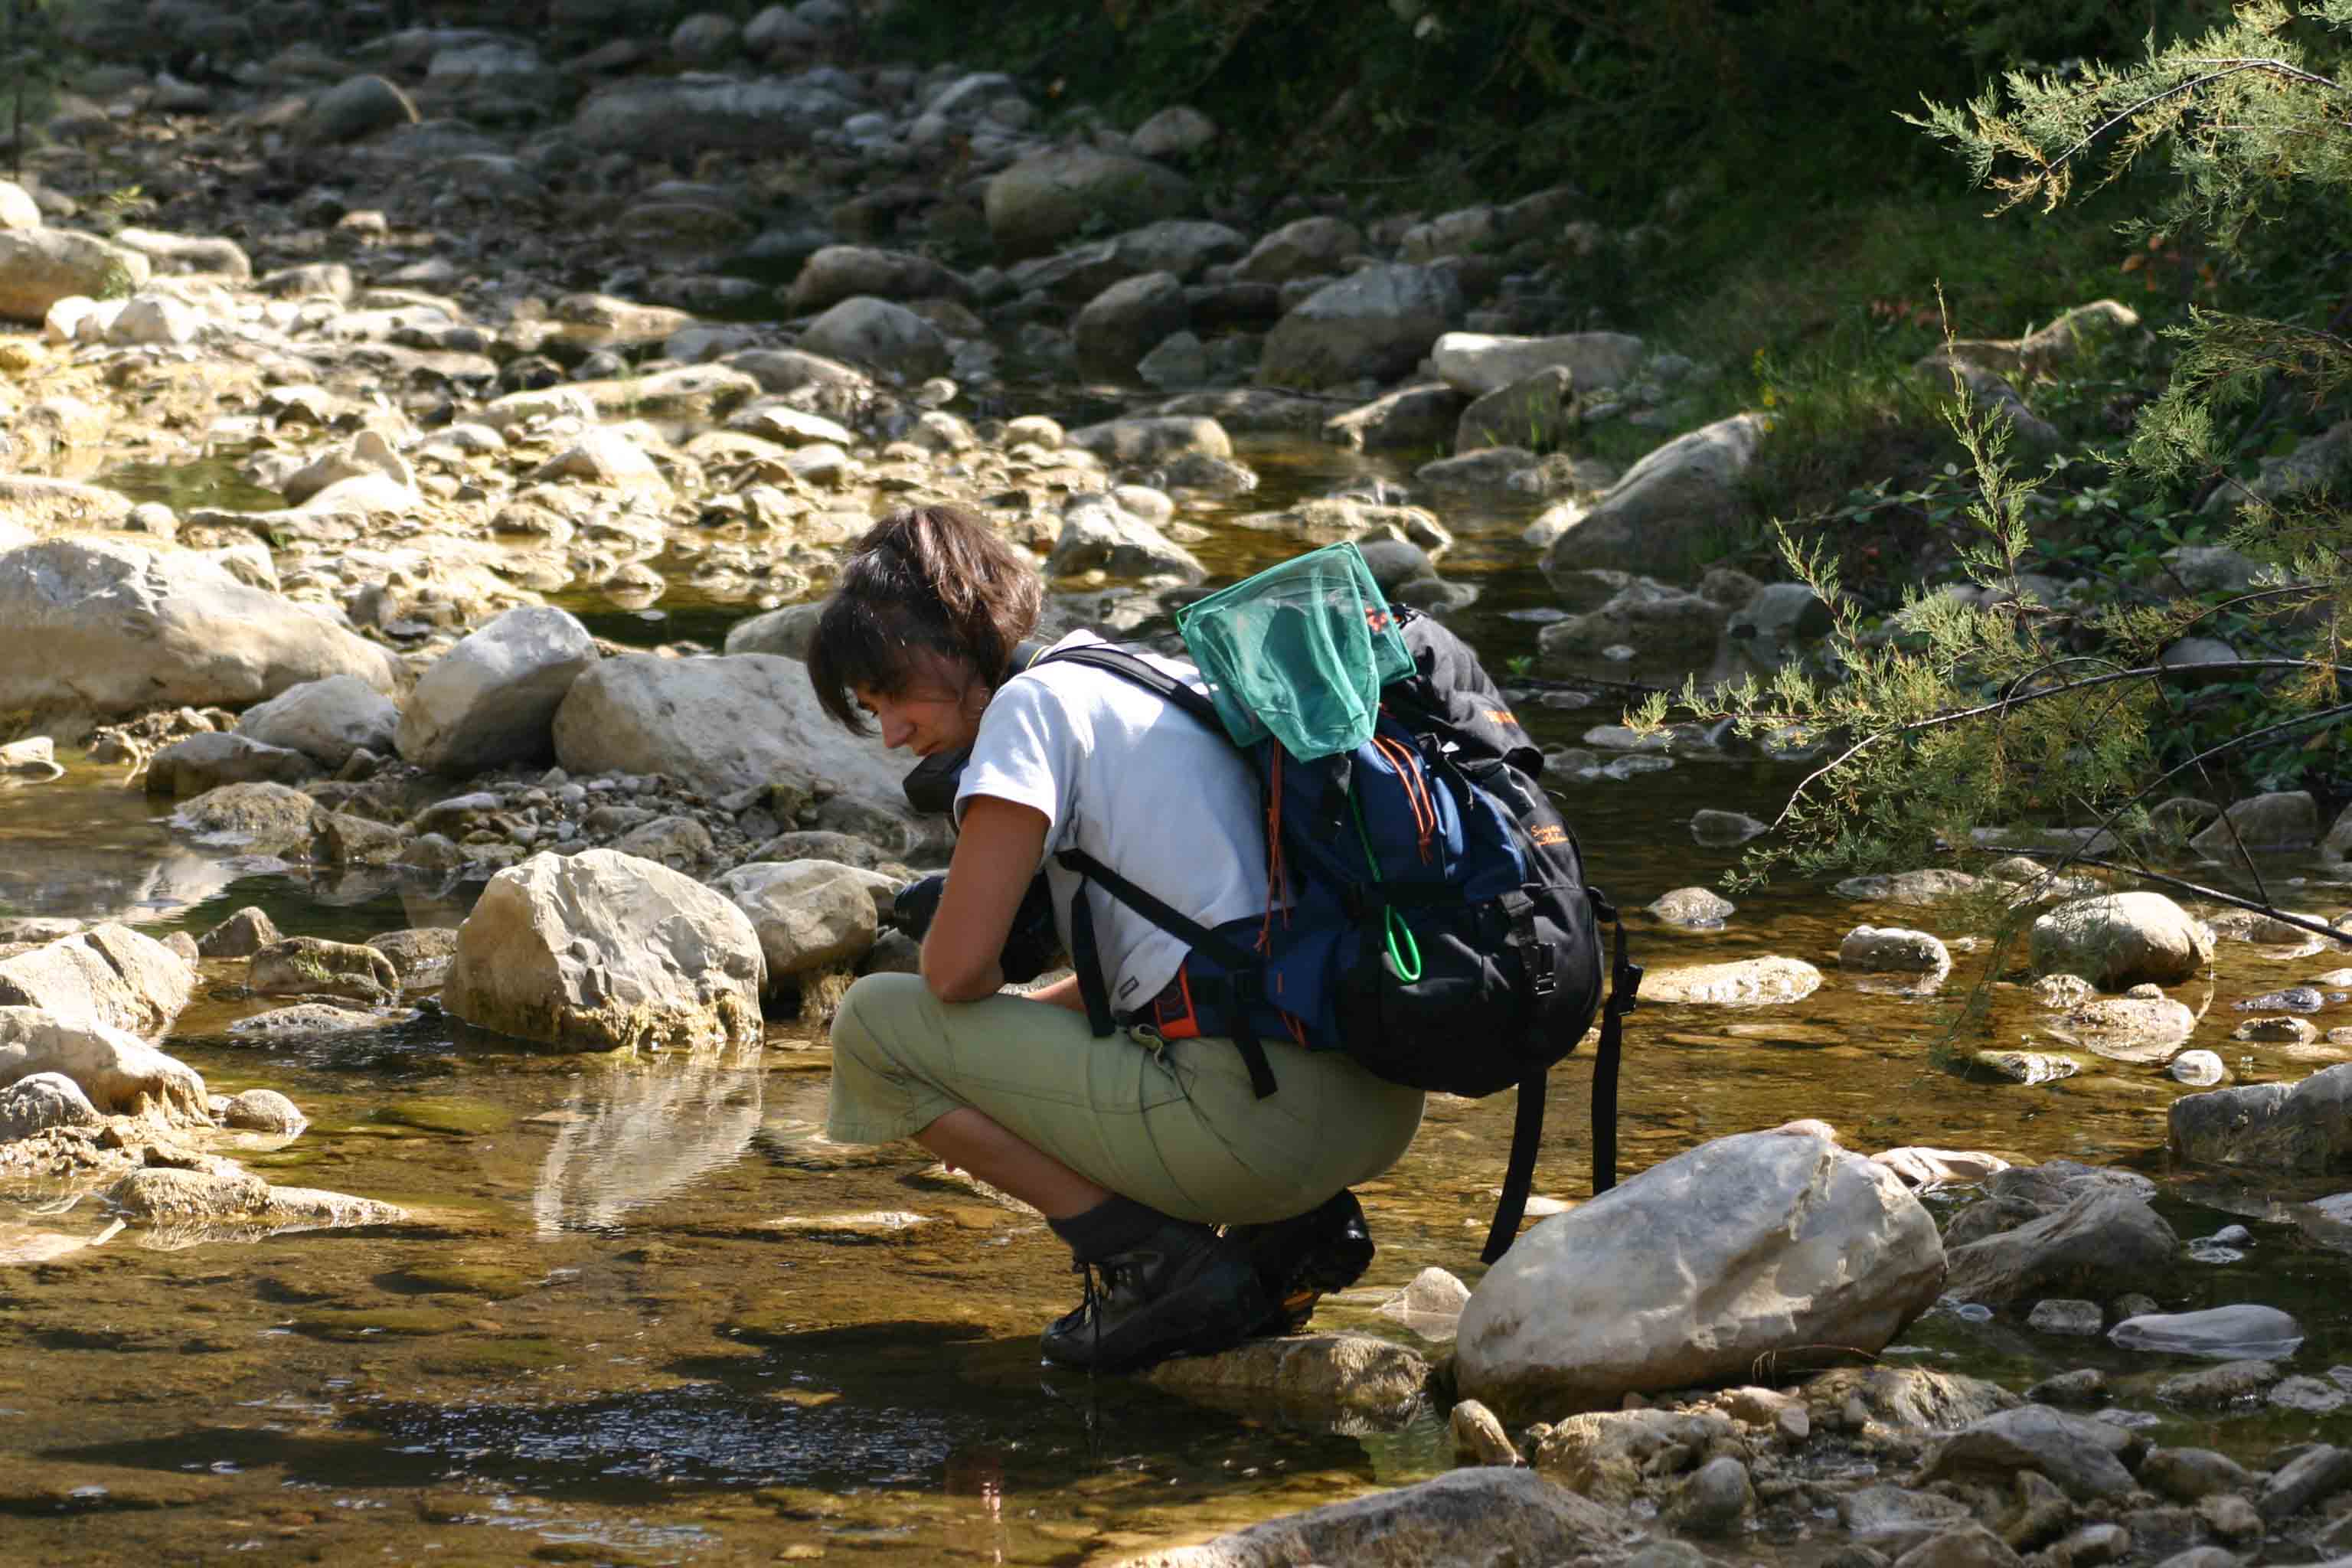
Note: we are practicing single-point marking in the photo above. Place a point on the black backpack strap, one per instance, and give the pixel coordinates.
(1241, 964)
(1527, 1125)
(1141, 672)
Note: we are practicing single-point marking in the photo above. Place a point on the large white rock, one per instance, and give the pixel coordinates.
(2121, 940)
(326, 720)
(1667, 508)
(1474, 363)
(492, 698)
(17, 208)
(120, 1074)
(1692, 1270)
(601, 952)
(716, 725)
(39, 267)
(101, 627)
(109, 975)
(1377, 322)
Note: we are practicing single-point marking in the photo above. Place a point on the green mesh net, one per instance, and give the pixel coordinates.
(1299, 652)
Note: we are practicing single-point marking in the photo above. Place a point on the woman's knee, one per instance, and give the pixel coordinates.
(871, 1014)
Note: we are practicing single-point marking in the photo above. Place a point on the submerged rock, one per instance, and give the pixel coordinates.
(1313, 1371)
(1743, 982)
(1742, 1247)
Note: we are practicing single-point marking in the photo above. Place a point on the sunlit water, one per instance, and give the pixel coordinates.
(623, 1334)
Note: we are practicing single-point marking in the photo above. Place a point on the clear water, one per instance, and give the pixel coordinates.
(614, 1335)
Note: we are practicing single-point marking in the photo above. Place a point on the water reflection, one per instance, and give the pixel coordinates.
(639, 1132)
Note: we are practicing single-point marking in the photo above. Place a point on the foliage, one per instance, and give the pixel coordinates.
(31, 66)
(1999, 704)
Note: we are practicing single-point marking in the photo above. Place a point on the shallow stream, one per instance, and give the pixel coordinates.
(652, 1316)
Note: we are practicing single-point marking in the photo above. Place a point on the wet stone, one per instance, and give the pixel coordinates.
(1747, 982)
(309, 1019)
(2320, 1472)
(1305, 1373)
(2289, 1030)
(2311, 1395)
(2058, 1315)
(2025, 1067)
(2083, 1387)
(242, 935)
(2184, 1475)
(2215, 1386)
(1717, 1497)
(2230, 1517)
(1697, 908)
(264, 1110)
(1967, 1546)
(2243, 1332)
(2198, 1069)
(457, 1118)
(1478, 1436)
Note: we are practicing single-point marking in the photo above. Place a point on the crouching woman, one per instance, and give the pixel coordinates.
(1136, 1149)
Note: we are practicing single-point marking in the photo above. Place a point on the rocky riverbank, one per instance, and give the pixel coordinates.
(446, 323)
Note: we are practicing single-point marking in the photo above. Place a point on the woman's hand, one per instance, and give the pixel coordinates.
(997, 853)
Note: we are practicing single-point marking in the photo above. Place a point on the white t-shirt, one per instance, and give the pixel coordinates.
(1142, 786)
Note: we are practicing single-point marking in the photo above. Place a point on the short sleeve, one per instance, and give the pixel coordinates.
(1025, 753)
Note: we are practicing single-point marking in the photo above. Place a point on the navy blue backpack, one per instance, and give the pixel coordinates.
(1428, 911)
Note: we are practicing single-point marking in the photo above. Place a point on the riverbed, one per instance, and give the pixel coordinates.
(651, 1315)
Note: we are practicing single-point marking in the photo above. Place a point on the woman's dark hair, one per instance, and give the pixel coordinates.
(931, 579)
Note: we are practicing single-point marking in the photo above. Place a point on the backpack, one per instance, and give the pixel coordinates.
(1427, 908)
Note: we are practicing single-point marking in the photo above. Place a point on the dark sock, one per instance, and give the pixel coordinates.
(1109, 1227)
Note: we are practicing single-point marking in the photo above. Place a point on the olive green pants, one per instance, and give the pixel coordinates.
(1173, 1125)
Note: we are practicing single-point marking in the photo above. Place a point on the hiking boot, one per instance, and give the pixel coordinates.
(1300, 1259)
(1183, 1290)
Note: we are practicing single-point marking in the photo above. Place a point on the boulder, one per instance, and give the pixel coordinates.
(108, 975)
(1120, 324)
(2275, 1127)
(2104, 1242)
(600, 951)
(1152, 439)
(18, 210)
(2120, 940)
(685, 719)
(2283, 819)
(786, 633)
(106, 627)
(1045, 199)
(492, 698)
(38, 1101)
(1481, 1517)
(313, 966)
(1100, 535)
(2080, 1453)
(117, 1073)
(1413, 418)
(326, 720)
(1748, 1246)
(1304, 248)
(356, 108)
(841, 272)
(242, 934)
(1377, 322)
(876, 333)
(1669, 507)
(39, 267)
(263, 1111)
(206, 762)
(265, 818)
(1874, 949)
(1533, 414)
(1475, 364)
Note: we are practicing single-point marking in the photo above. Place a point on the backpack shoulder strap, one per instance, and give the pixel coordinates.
(1139, 671)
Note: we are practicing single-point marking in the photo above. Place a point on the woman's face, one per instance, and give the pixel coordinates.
(937, 710)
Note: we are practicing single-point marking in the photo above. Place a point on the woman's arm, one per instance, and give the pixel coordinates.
(998, 851)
